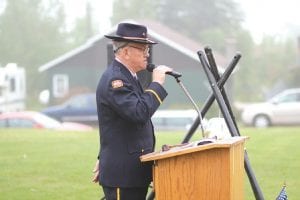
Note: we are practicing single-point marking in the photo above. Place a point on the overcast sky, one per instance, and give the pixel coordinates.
(263, 17)
(271, 17)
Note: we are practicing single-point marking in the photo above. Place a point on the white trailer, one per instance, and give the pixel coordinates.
(12, 88)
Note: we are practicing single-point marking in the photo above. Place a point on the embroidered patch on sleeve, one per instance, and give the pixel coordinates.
(117, 84)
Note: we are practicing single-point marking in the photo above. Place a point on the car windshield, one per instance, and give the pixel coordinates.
(47, 121)
(286, 97)
(81, 101)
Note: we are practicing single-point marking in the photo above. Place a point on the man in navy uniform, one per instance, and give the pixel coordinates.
(124, 114)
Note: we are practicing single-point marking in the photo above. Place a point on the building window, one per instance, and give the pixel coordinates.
(60, 85)
(12, 85)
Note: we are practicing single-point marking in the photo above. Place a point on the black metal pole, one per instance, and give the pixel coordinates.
(218, 94)
(215, 72)
(255, 187)
(209, 101)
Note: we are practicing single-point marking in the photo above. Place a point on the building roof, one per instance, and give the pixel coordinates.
(156, 31)
(176, 40)
(71, 53)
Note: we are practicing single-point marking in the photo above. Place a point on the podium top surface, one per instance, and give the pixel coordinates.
(193, 147)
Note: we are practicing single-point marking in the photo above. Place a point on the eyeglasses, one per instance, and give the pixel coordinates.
(145, 50)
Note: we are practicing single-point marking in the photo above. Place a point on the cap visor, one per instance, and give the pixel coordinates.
(142, 40)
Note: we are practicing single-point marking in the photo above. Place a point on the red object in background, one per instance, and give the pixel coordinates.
(36, 120)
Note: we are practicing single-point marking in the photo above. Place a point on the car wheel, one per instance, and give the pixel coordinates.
(261, 121)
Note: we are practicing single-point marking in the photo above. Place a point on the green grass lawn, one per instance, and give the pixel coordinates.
(48, 165)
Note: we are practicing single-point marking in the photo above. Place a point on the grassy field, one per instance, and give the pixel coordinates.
(52, 165)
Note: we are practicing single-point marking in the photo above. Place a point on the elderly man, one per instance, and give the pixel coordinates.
(124, 114)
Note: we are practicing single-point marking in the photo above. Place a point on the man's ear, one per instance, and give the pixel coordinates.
(126, 53)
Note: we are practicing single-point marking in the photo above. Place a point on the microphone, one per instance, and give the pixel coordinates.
(151, 66)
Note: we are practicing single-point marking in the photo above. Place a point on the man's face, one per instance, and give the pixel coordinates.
(138, 55)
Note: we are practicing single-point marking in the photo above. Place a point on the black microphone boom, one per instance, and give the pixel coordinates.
(151, 66)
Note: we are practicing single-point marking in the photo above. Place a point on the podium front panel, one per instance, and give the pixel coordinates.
(214, 174)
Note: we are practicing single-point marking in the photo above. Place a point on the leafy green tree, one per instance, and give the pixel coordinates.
(134, 9)
(292, 77)
(264, 66)
(31, 34)
(276, 60)
(201, 19)
(205, 20)
(245, 76)
(84, 27)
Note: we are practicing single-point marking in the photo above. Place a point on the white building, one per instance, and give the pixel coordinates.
(12, 88)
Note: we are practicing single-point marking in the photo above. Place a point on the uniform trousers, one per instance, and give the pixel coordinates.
(115, 193)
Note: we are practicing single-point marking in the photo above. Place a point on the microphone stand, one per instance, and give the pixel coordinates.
(193, 102)
(176, 75)
(209, 101)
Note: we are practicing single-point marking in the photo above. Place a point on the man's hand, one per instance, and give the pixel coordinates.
(96, 172)
(159, 73)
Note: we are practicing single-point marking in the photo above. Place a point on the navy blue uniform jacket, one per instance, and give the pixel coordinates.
(126, 130)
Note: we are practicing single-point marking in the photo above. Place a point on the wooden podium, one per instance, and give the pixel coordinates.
(212, 171)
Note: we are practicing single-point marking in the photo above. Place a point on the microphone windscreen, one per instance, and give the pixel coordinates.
(150, 67)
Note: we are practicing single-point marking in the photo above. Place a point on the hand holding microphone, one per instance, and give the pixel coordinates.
(160, 71)
(151, 67)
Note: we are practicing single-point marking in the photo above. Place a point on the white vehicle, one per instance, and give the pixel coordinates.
(282, 109)
(12, 88)
(174, 119)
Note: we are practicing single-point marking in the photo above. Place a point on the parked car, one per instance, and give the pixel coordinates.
(282, 109)
(173, 119)
(79, 108)
(33, 119)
